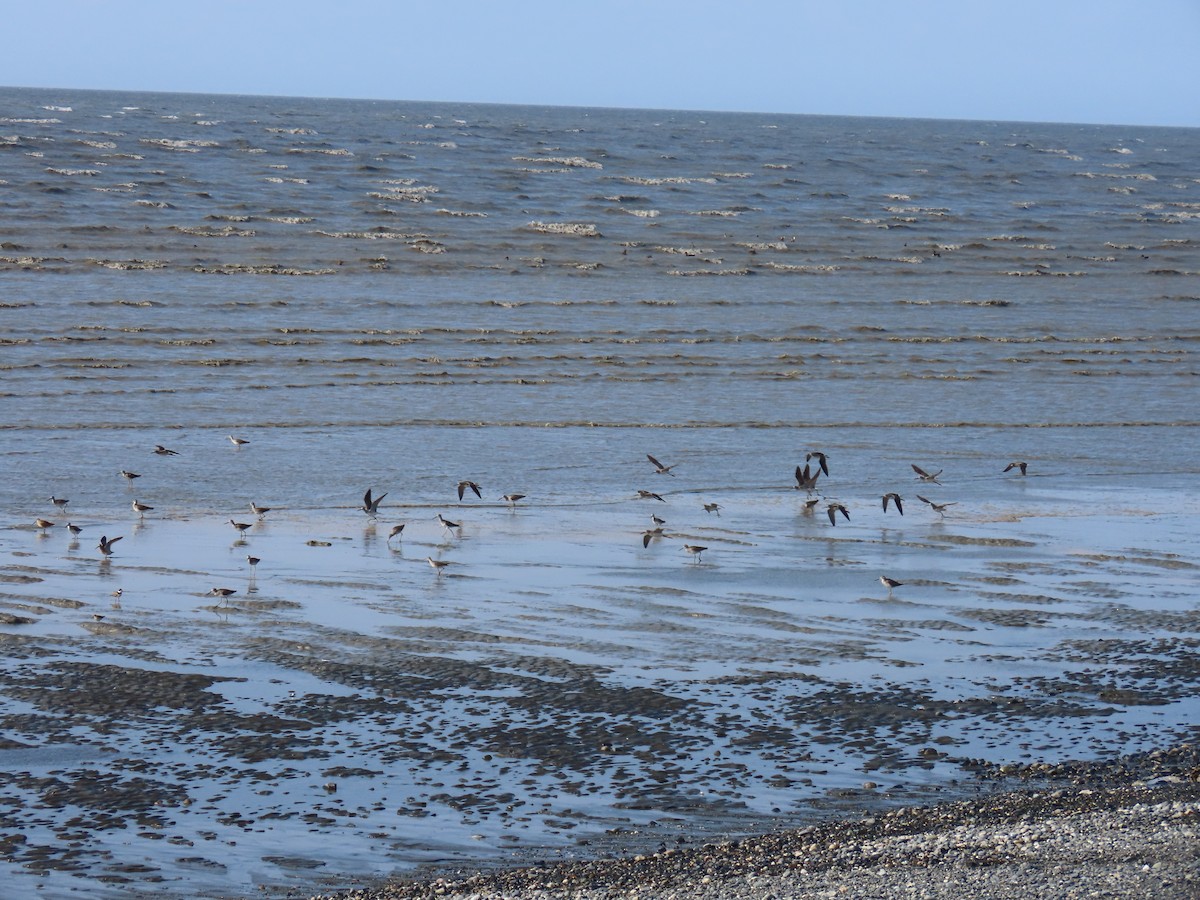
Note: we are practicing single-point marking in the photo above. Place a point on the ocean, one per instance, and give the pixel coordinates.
(400, 297)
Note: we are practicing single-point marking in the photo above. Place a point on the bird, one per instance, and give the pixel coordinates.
(895, 498)
(695, 550)
(129, 476)
(464, 486)
(713, 508)
(74, 529)
(43, 523)
(822, 462)
(650, 495)
(240, 526)
(253, 561)
(60, 502)
(105, 545)
(118, 593)
(396, 530)
(939, 508)
(659, 468)
(237, 441)
(371, 506)
(889, 583)
(259, 511)
(141, 508)
(446, 523)
(223, 593)
(925, 476)
(650, 534)
(511, 499)
(163, 451)
(1012, 465)
(657, 520)
(438, 564)
(833, 509)
(806, 479)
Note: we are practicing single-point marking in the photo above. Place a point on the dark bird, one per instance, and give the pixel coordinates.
(659, 468)
(253, 561)
(694, 550)
(713, 508)
(657, 520)
(821, 461)
(223, 593)
(939, 508)
(237, 441)
(396, 530)
(809, 505)
(512, 499)
(43, 523)
(60, 502)
(74, 529)
(889, 583)
(895, 498)
(259, 511)
(925, 476)
(105, 545)
(833, 509)
(371, 506)
(240, 526)
(141, 508)
(446, 523)
(650, 534)
(650, 495)
(438, 564)
(806, 478)
(163, 451)
(1012, 465)
(129, 476)
(464, 486)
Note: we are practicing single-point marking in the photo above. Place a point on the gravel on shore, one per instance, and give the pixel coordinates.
(1101, 840)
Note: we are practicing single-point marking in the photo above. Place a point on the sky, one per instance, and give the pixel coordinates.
(1124, 62)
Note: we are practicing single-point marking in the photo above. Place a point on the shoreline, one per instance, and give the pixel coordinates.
(1128, 828)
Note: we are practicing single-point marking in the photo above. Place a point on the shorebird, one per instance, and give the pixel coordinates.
(253, 561)
(895, 498)
(237, 441)
(659, 468)
(447, 524)
(240, 526)
(939, 508)
(650, 534)
(925, 476)
(438, 564)
(60, 502)
(259, 511)
(657, 520)
(694, 550)
(806, 479)
(43, 524)
(889, 583)
(371, 506)
(396, 530)
(650, 495)
(141, 508)
(809, 505)
(129, 476)
(820, 458)
(223, 593)
(464, 486)
(163, 451)
(511, 499)
(713, 508)
(1012, 465)
(74, 529)
(833, 509)
(105, 545)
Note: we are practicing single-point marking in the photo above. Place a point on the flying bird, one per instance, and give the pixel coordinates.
(659, 468)
(650, 495)
(833, 509)
(371, 506)
(939, 508)
(822, 462)
(925, 476)
(464, 486)
(163, 451)
(895, 498)
(1012, 465)
(650, 534)
(806, 478)
(713, 508)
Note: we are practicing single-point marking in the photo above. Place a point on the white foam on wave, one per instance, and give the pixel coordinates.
(580, 229)
(577, 162)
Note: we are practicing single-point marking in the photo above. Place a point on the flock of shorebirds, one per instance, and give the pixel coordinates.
(816, 464)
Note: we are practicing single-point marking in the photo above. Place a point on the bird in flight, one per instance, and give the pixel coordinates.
(659, 468)
(371, 505)
(464, 486)
(713, 508)
(925, 476)
(895, 498)
(822, 462)
(939, 508)
(650, 495)
(833, 509)
(806, 478)
(163, 451)
(1017, 465)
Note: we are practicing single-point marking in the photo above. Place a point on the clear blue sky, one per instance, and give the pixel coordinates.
(1133, 62)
